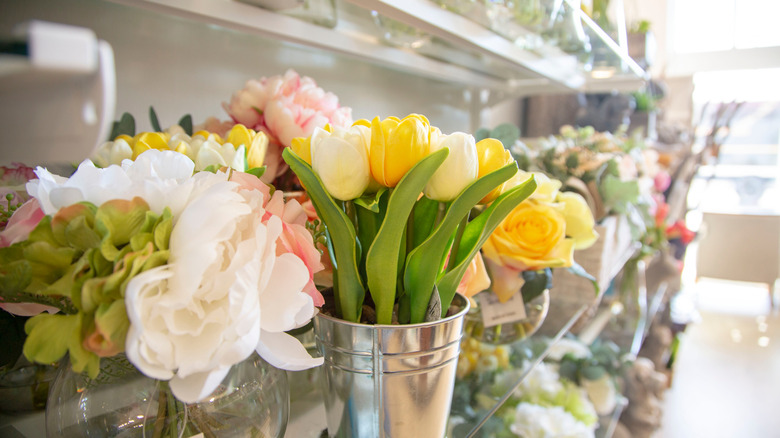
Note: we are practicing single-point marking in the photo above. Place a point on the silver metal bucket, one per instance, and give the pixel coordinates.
(389, 380)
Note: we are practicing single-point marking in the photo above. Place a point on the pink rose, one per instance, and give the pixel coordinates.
(295, 238)
(23, 221)
(475, 279)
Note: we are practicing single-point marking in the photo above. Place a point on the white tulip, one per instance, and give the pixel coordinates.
(340, 159)
(458, 170)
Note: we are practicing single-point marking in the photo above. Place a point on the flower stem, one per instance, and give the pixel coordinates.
(159, 421)
(456, 244)
(197, 418)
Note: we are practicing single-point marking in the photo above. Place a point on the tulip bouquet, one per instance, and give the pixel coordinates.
(187, 273)
(395, 197)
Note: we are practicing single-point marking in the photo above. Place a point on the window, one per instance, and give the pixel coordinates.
(719, 25)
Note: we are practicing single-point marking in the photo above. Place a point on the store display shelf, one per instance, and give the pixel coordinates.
(471, 54)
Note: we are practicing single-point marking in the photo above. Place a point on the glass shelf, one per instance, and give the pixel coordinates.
(463, 52)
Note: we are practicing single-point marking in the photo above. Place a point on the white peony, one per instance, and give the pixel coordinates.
(224, 292)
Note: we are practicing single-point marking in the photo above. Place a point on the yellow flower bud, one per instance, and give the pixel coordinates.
(492, 156)
(396, 146)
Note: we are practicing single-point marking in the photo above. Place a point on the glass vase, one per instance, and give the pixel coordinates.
(252, 400)
(509, 332)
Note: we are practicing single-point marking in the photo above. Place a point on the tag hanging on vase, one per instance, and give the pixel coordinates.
(494, 322)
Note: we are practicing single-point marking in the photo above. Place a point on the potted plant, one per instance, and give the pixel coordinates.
(395, 197)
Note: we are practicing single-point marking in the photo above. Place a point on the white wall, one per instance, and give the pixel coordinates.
(181, 67)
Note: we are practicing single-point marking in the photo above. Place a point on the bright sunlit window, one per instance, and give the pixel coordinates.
(718, 25)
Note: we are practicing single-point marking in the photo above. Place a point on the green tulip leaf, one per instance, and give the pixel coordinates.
(370, 202)
(382, 264)
(477, 232)
(343, 238)
(256, 171)
(422, 265)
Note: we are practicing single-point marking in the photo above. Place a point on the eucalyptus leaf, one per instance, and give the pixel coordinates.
(481, 134)
(579, 271)
(536, 281)
(593, 372)
(124, 126)
(507, 133)
(186, 124)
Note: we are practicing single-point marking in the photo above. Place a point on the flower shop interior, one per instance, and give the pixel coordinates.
(662, 118)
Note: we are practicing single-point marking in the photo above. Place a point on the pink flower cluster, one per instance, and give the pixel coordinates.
(284, 107)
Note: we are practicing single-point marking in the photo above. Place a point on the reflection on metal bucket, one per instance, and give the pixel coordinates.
(389, 380)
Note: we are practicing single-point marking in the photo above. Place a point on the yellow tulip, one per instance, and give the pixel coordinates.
(458, 170)
(492, 156)
(340, 159)
(396, 146)
(579, 219)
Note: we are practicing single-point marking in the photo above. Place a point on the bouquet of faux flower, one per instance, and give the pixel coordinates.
(284, 107)
(601, 166)
(187, 273)
(543, 405)
(242, 149)
(395, 197)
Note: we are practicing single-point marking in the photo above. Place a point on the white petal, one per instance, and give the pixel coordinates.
(196, 387)
(286, 352)
(283, 305)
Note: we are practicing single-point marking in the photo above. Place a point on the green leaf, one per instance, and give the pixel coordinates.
(579, 271)
(125, 125)
(371, 201)
(256, 171)
(422, 265)
(153, 119)
(618, 194)
(186, 124)
(350, 291)
(481, 134)
(507, 133)
(593, 372)
(535, 282)
(477, 232)
(382, 261)
(425, 213)
(49, 337)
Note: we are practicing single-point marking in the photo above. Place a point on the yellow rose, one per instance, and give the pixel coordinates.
(579, 219)
(532, 236)
(396, 146)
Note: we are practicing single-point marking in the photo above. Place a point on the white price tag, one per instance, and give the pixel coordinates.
(495, 312)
